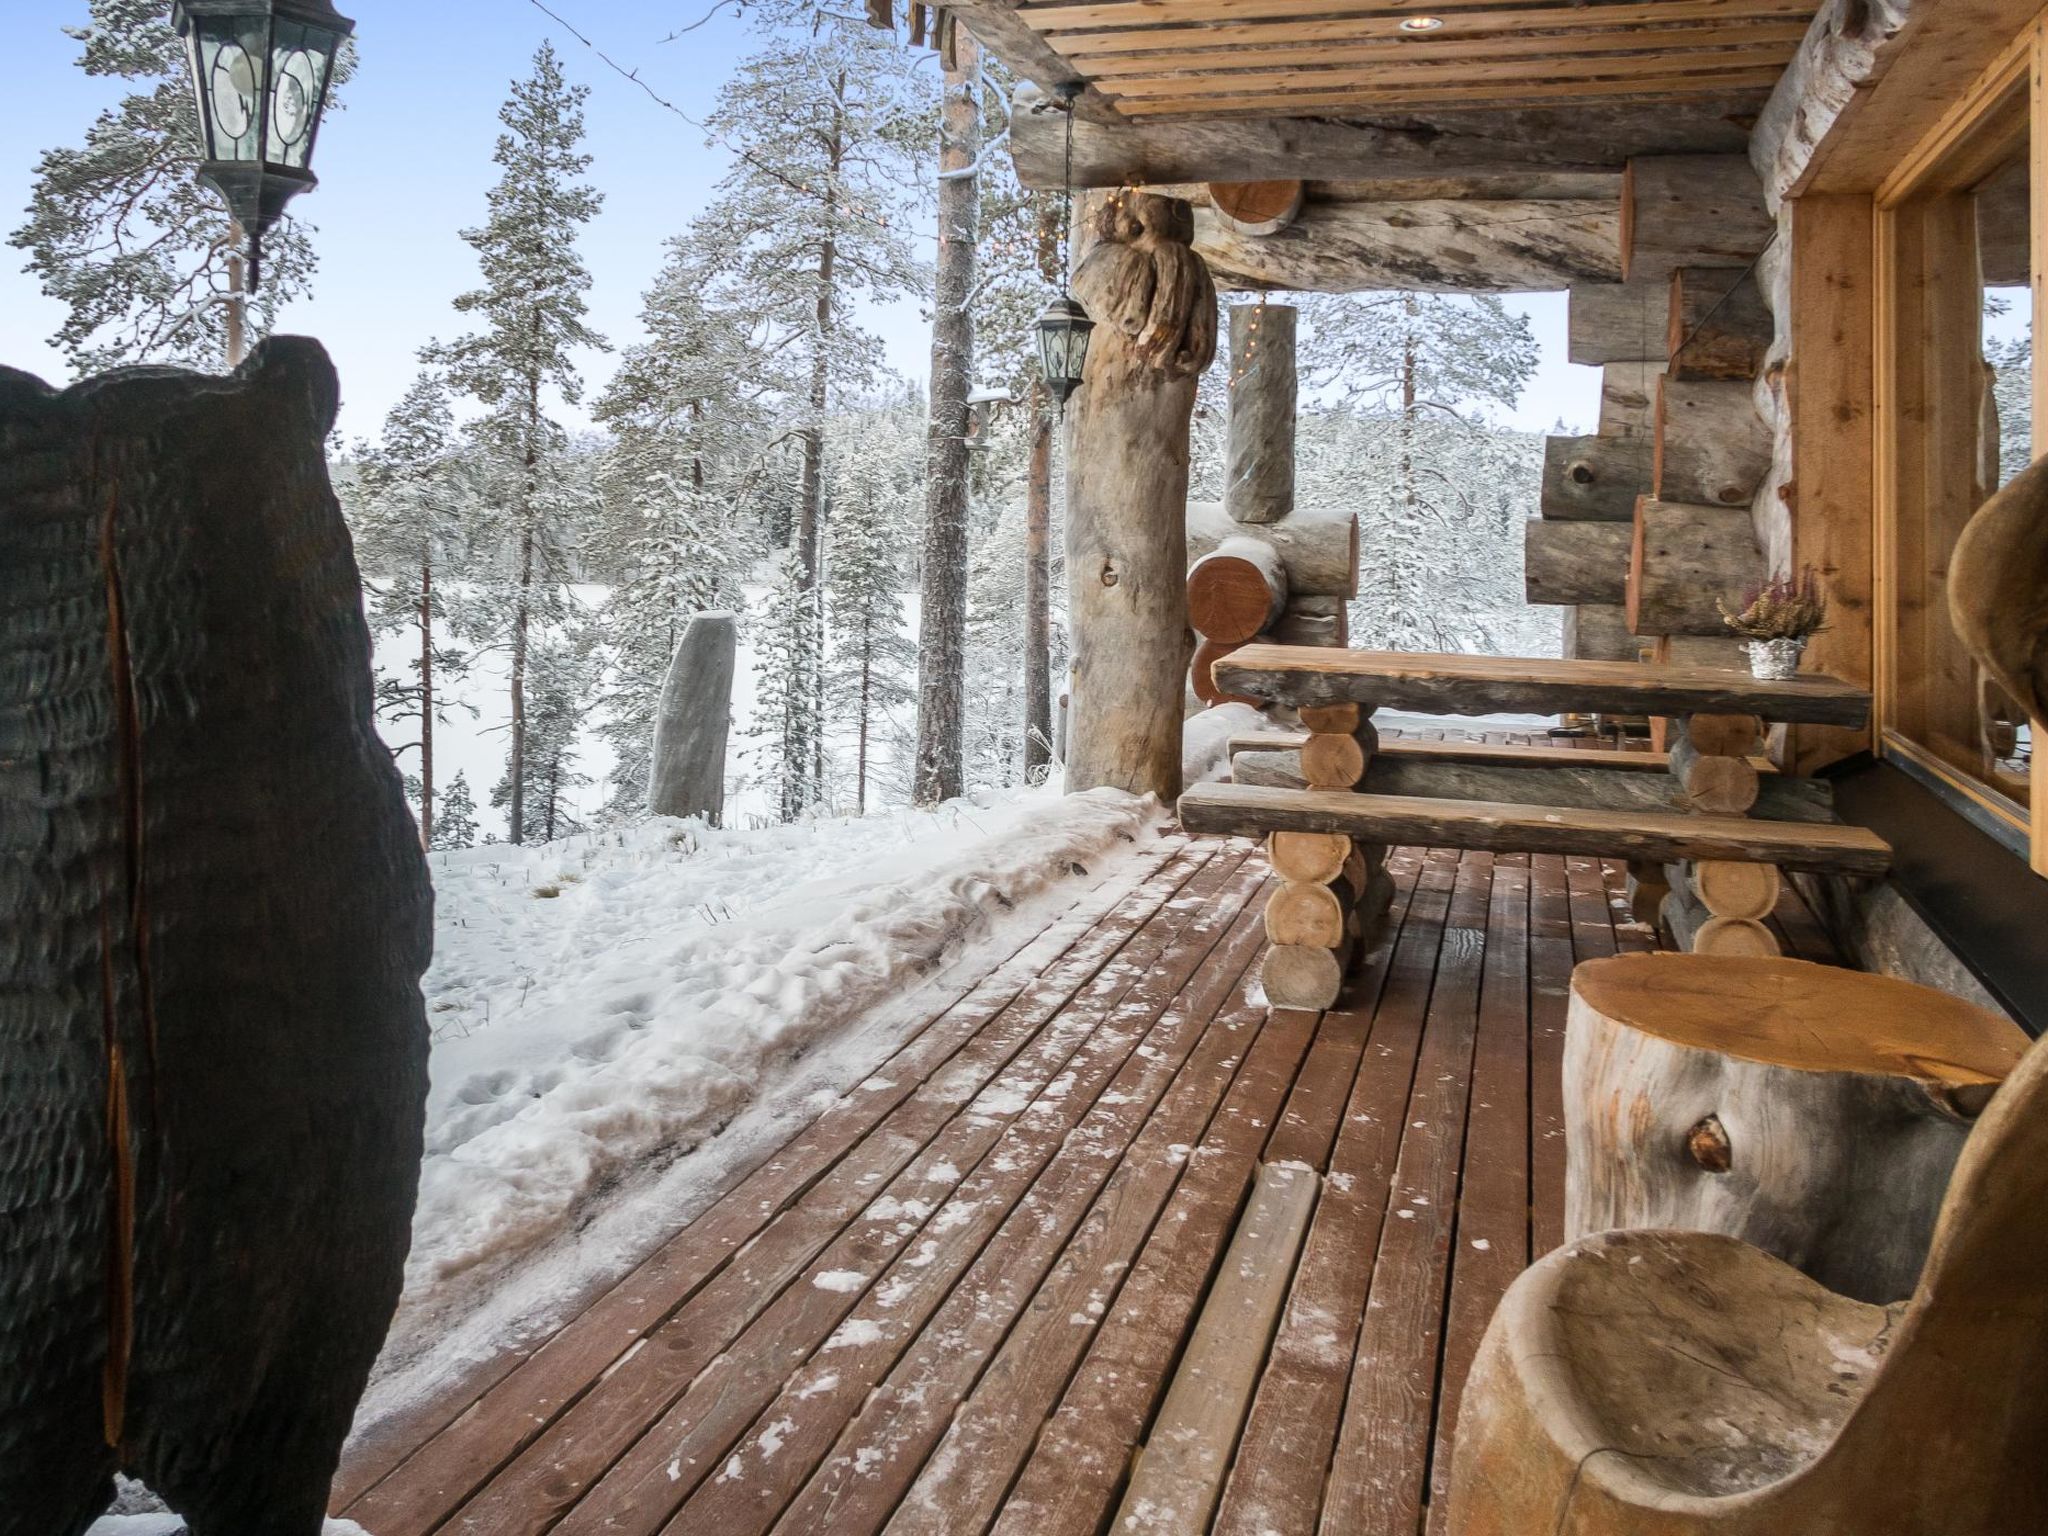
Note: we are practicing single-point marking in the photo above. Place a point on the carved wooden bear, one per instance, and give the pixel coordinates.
(214, 914)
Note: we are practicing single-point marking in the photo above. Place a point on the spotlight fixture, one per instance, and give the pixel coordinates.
(1422, 24)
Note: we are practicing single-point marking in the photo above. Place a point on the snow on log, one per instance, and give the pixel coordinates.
(1258, 481)
(1690, 211)
(1317, 545)
(686, 769)
(1812, 1111)
(1711, 445)
(1618, 323)
(1430, 245)
(1684, 558)
(1595, 478)
(1127, 488)
(1720, 326)
(1237, 591)
(1571, 563)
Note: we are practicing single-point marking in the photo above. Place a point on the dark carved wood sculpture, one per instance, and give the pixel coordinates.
(214, 914)
(1998, 588)
(1127, 490)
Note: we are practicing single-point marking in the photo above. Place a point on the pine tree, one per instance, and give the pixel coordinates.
(142, 256)
(455, 826)
(786, 692)
(686, 414)
(562, 670)
(942, 614)
(532, 310)
(1420, 370)
(408, 521)
(872, 493)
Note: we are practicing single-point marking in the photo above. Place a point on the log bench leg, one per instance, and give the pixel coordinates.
(1340, 745)
(1333, 893)
(1718, 907)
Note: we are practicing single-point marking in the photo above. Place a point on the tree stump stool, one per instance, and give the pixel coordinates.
(1816, 1113)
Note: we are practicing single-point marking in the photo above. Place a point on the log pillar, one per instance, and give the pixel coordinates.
(1718, 907)
(1127, 484)
(1258, 485)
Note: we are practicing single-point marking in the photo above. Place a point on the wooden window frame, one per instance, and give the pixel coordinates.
(2006, 105)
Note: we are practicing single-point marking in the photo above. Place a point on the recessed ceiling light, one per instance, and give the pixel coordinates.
(1422, 24)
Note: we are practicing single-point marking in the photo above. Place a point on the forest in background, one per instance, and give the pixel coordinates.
(749, 453)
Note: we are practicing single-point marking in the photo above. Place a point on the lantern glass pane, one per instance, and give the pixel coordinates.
(1077, 352)
(228, 54)
(300, 59)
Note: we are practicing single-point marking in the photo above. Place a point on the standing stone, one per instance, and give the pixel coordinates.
(686, 773)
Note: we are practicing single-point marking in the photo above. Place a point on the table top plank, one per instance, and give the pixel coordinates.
(1484, 685)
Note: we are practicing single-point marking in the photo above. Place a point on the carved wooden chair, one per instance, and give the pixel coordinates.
(1670, 1383)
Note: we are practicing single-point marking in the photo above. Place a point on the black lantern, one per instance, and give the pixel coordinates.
(261, 70)
(1063, 347)
(1062, 330)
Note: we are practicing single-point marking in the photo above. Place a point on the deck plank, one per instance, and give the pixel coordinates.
(1377, 1476)
(956, 1303)
(513, 1401)
(947, 1124)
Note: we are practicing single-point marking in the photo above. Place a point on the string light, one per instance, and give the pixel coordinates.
(1251, 344)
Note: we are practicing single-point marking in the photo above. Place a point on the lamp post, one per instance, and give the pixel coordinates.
(1062, 330)
(261, 71)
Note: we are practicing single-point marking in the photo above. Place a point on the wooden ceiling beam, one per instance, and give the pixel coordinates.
(1439, 77)
(1366, 148)
(1429, 246)
(1704, 84)
(1385, 19)
(1194, 54)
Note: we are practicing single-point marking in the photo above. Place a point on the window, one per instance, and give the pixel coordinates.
(1955, 323)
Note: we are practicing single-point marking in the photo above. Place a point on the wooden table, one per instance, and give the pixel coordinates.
(1715, 905)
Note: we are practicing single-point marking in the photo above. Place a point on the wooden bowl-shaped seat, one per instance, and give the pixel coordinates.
(1661, 1383)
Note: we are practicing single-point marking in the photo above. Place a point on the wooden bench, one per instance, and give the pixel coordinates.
(1485, 753)
(1330, 842)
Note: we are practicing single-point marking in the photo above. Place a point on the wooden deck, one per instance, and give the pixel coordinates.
(954, 1303)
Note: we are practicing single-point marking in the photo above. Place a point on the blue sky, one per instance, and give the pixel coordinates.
(406, 167)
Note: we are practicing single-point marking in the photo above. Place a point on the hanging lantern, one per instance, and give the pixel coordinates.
(1063, 347)
(261, 70)
(1062, 331)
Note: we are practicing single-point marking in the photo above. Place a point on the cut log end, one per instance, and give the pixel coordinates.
(1302, 976)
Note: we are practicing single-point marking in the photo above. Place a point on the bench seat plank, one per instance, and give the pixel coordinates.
(1484, 685)
(1252, 810)
(1485, 753)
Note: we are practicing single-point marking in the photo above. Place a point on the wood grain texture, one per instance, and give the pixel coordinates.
(1688, 562)
(1458, 684)
(1568, 563)
(1317, 545)
(1258, 466)
(1711, 445)
(1127, 461)
(1690, 211)
(1618, 323)
(1397, 819)
(1595, 478)
(1720, 326)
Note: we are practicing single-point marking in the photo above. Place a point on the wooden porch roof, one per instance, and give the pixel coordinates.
(955, 1302)
(1210, 58)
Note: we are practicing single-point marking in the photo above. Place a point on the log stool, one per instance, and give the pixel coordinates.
(1814, 1112)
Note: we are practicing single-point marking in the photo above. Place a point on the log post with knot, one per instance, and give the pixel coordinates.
(1127, 485)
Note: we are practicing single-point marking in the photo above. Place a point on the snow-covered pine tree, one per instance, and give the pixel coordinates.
(142, 256)
(873, 490)
(786, 727)
(812, 221)
(561, 672)
(408, 509)
(1419, 371)
(455, 826)
(532, 311)
(687, 419)
(942, 613)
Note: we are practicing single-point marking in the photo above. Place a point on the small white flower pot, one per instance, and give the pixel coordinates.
(1776, 660)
